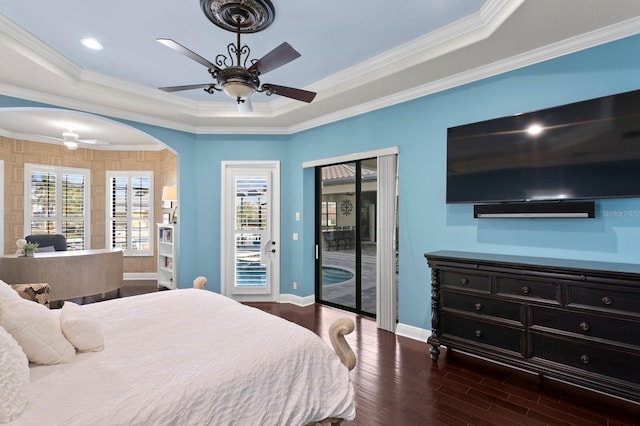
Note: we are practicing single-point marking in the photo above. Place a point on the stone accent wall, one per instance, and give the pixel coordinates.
(15, 153)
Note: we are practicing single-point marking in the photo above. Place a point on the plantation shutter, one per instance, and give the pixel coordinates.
(73, 210)
(57, 203)
(130, 211)
(119, 213)
(43, 203)
(251, 210)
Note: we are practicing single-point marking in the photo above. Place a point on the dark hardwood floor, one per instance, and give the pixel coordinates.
(397, 384)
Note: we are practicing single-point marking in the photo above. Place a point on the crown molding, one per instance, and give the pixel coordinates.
(127, 100)
(441, 41)
(38, 52)
(565, 47)
(111, 147)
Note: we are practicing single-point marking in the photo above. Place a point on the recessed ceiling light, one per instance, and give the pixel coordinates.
(92, 43)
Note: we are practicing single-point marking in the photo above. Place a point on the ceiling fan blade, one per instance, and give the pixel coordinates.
(189, 53)
(187, 87)
(279, 56)
(51, 138)
(93, 141)
(289, 92)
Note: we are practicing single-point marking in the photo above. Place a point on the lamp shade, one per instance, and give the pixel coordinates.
(237, 89)
(169, 193)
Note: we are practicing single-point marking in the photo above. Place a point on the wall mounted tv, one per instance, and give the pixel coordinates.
(584, 150)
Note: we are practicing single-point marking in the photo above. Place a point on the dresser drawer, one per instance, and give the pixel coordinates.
(583, 356)
(478, 331)
(464, 280)
(617, 330)
(482, 305)
(609, 299)
(528, 289)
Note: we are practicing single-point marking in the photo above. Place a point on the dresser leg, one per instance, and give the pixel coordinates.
(540, 380)
(435, 352)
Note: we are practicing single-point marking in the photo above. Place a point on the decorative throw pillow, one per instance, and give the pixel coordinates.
(14, 370)
(7, 291)
(81, 328)
(37, 331)
(36, 292)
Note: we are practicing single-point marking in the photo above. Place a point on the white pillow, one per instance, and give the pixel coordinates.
(7, 291)
(14, 370)
(81, 328)
(37, 331)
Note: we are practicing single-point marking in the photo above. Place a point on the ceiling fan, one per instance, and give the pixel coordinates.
(236, 79)
(70, 139)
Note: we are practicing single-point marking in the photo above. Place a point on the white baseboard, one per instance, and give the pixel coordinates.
(403, 330)
(413, 332)
(139, 276)
(297, 300)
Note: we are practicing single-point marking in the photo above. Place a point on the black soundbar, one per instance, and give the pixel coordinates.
(556, 209)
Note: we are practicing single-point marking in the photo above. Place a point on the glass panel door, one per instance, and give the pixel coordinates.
(367, 231)
(345, 235)
(250, 229)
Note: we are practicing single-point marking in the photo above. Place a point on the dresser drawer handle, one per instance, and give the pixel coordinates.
(606, 300)
(477, 306)
(526, 290)
(478, 333)
(584, 326)
(464, 281)
(584, 359)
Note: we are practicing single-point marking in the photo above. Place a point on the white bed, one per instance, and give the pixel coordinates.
(192, 357)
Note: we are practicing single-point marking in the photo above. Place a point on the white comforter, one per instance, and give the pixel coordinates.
(192, 357)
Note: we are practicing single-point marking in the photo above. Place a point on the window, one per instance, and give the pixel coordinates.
(130, 212)
(329, 209)
(57, 202)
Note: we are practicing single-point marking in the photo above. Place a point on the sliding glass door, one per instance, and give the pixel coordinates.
(346, 197)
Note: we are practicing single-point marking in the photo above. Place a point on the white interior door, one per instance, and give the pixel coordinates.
(250, 255)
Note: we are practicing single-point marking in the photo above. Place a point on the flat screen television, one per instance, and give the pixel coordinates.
(583, 150)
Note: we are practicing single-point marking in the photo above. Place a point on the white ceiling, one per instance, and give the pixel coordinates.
(358, 55)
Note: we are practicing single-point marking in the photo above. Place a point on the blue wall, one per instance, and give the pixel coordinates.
(418, 128)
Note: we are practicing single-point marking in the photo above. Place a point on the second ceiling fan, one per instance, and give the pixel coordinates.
(236, 79)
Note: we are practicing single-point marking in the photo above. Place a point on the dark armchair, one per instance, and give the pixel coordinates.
(57, 241)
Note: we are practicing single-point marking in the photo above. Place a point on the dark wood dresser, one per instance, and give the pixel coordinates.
(576, 321)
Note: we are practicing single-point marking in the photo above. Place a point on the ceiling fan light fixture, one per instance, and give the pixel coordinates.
(71, 146)
(70, 136)
(238, 89)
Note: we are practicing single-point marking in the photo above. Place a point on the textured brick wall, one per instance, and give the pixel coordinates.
(15, 153)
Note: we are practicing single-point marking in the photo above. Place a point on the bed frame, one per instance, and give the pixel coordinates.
(39, 293)
(340, 328)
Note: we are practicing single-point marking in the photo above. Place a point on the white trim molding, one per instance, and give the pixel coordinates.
(412, 332)
(297, 300)
(140, 276)
(351, 157)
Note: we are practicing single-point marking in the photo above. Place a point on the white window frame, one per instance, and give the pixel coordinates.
(29, 169)
(129, 175)
(325, 214)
